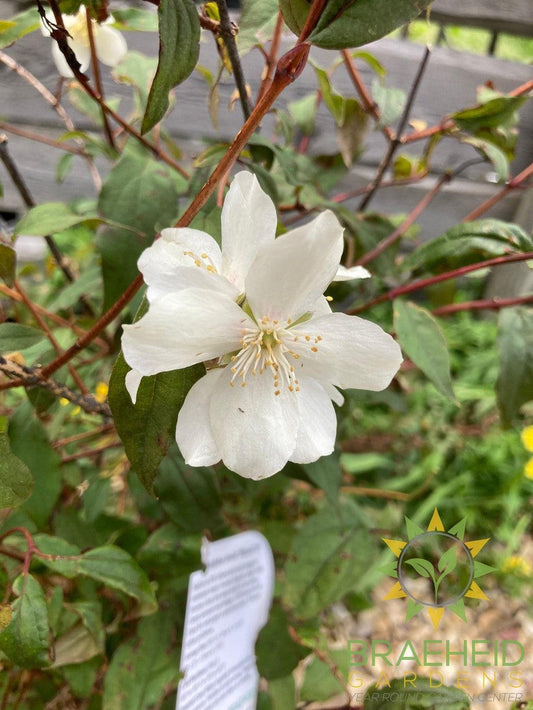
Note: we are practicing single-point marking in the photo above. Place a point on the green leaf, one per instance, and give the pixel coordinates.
(16, 481)
(422, 339)
(468, 243)
(282, 692)
(140, 193)
(277, 653)
(333, 100)
(390, 102)
(326, 473)
(8, 262)
(19, 25)
(50, 218)
(491, 152)
(137, 70)
(319, 682)
(110, 565)
(25, 640)
(515, 346)
(40, 458)
(256, 23)
(189, 496)
(148, 427)
(14, 336)
(422, 567)
(328, 558)
(115, 568)
(134, 19)
(143, 668)
(64, 165)
(362, 463)
(421, 697)
(448, 561)
(179, 36)
(489, 114)
(344, 23)
(352, 131)
(303, 112)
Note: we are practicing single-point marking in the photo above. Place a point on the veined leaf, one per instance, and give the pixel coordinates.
(344, 23)
(421, 338)
(179, 36)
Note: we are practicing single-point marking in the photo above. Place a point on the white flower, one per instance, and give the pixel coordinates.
(109, 43)
(281, 353)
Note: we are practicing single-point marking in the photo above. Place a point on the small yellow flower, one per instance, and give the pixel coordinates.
(63, 401)
(528, 470)
(517, 565)
(527, 437)
(101, 392)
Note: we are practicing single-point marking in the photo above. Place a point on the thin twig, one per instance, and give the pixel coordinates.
(90, 453)
(44, 327)
(102, 429)
(84, 83)
(32, 377)
(416, 211)
(396, 142)
(271, 57)
(511, 185)
(289, 68)
(28, 200)
(448, 124)
(312, 19)
(493, 304)
(58, 320)
(408, 221)
(30, 135)
(227, 32)
(369, 104)
(54, 103)
(430, 281)
(95, 63)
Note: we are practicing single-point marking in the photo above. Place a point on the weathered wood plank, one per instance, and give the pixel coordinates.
(512, 16)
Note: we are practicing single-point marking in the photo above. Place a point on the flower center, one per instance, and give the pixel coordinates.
(202, 261)
(78, 28)
(271, 347)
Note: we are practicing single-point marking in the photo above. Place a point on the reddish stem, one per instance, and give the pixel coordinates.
(455, 273)
(486, 303)
(511, 185)
(289, 68)
(404, 226)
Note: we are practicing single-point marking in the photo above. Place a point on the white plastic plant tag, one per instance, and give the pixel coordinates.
(227, 605)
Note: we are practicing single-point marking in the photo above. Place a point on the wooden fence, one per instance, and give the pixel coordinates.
(449, 84)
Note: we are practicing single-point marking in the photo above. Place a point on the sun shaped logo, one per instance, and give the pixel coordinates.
(436, 569)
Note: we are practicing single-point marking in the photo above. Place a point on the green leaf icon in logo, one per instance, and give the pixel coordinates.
(423, 567)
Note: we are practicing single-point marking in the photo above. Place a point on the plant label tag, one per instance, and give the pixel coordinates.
(227, 605)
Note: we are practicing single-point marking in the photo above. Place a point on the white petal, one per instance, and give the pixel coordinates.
(183, 328)
(180, 259)
(110, 44)
(254, 429)
(333, 393)
(249, 223)
(132, 382)
(82, 52)
(318, 423)
(193, 430)
(350, 352)
(354, 272)
(289, 276)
